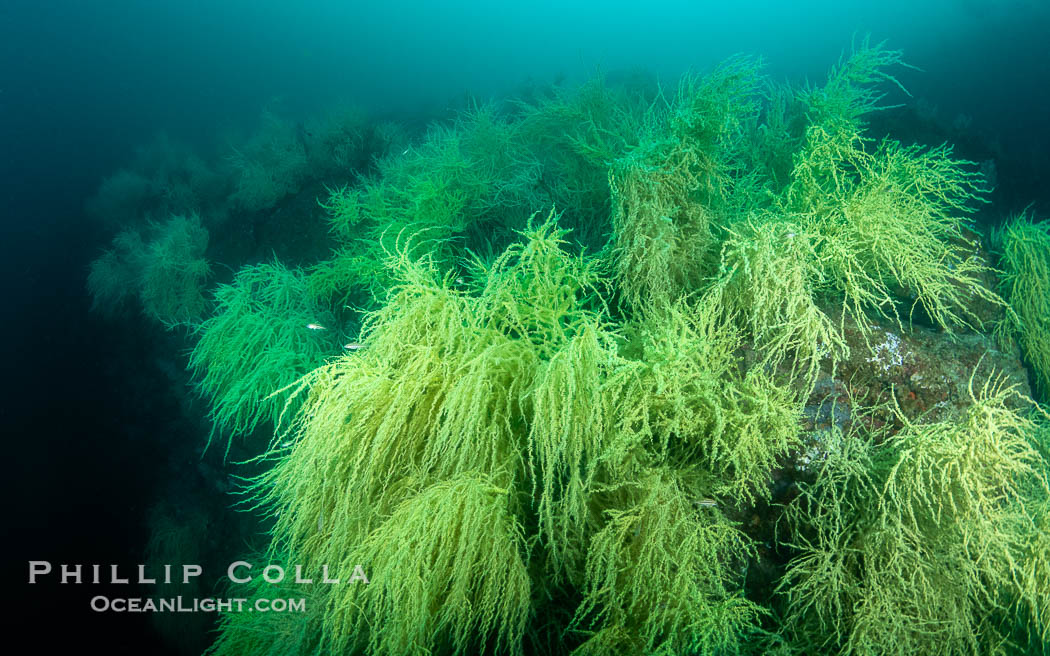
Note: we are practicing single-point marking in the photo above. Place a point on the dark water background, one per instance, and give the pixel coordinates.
(86, 406)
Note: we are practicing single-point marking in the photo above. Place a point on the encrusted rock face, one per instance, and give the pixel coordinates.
(923, 372)
(926, 371)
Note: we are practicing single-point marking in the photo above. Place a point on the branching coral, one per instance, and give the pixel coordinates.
(177, 535)
(710, 112)
(114, 276)
(257, 342)
(167, 272)
(673, 191)
(887, 221)
(174, 271)
(337, 142)
(1035, 573)
(696, 405)
(893, 220)
(464, 189)
(1025, 260)
(663, 234)
(435, 392)
(462, 178)
(577, 404)
(853, 88)
(244, 632)
(874, 227)
(918, 543)
(166, 178)
(660, 575)
(574, 134)
(268, 166)
(426, 419)
(448, 573)
(768, 284)
(518, 386)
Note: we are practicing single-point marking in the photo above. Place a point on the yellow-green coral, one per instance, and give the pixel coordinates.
(887, 220)
(513, 398)
(661, 576)
(266, 632)
(672, 192)
(1025, 246)
(694, 402)
(854, 87)
(462, 178)
(574, 134)
(448, 573)
(894, 220)
(663, 233)
(917, 544)
(768, 284)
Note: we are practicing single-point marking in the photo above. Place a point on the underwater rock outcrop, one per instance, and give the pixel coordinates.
(762, 398)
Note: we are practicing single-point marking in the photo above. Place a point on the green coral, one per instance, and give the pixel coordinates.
(258, 342)
(293, 633)
(504, 418)
(918, 543)
(167, 272)
(1025, 259)
(574, 133)
(449, 570)
(176, 536)
(880, 226)
(889, 221)
(854, 86)
(699, 404)
(768, 283)
(353, 277)
(461, 191)
(114, 276)
(1035, 572)
(663, 234)
(337, 142)
(166, 178)
(174, 271)
(462, 178)
(268, 166)
(673, 192)
(646, 602)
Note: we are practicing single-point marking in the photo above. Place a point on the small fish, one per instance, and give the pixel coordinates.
(354, 346)
(707, 503)
(315, 326)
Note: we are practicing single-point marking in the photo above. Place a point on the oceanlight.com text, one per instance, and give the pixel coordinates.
(103, 604)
